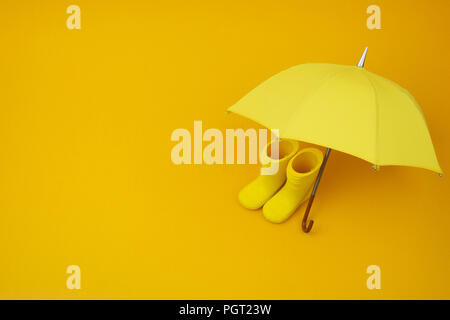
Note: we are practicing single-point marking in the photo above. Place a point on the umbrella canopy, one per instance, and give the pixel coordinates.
(345, 108)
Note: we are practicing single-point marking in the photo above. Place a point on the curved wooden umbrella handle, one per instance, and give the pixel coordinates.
(307, 228)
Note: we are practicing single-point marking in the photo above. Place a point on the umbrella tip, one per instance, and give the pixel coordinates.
(363, 58)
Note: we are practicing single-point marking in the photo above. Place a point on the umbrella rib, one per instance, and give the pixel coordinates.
(313, 91)
(377, 118)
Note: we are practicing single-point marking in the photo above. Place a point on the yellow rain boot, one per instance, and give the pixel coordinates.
(256, 193)
(301, 174)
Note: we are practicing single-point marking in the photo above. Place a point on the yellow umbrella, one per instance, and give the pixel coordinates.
(345, 108)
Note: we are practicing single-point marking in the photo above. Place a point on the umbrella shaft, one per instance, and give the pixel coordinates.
(322, 168)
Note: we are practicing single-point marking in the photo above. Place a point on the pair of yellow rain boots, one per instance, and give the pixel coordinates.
(280, 194)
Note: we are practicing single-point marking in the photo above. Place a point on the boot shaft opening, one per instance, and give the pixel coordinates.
(285, 148)
(305, 162)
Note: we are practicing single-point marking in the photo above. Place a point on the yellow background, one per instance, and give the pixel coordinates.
(86, 176)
